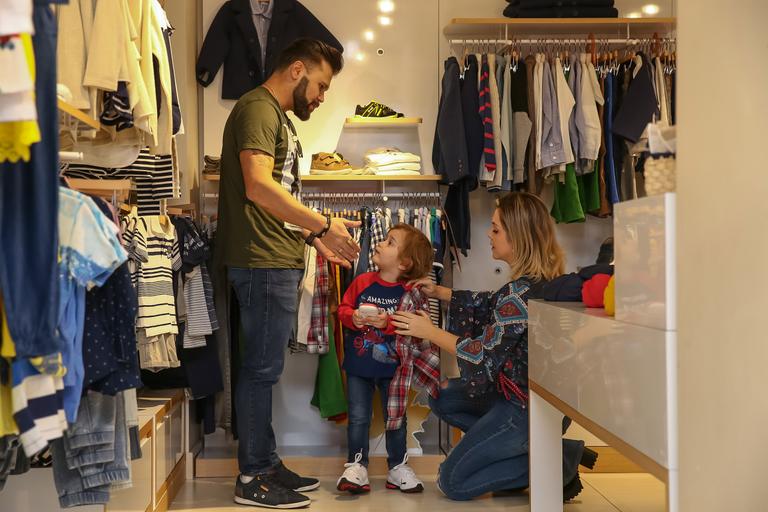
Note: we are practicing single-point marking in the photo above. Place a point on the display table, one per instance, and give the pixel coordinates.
(616, 377)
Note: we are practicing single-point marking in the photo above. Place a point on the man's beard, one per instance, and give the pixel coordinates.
(300, 102)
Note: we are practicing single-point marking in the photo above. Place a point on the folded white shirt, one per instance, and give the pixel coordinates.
(385, 156)
(396, 172)
(404, 166)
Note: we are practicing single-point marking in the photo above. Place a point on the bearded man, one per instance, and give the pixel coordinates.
(262, 229)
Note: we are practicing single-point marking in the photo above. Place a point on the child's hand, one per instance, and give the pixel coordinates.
(358, 319)
(379, 321)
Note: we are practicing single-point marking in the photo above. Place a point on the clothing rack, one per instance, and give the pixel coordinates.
(561, 39)
(371, 195)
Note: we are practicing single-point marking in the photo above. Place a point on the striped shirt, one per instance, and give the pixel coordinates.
(154, 250)
(152, 174)
(489, 148)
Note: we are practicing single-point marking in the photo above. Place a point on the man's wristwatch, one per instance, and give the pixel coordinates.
(312, 236)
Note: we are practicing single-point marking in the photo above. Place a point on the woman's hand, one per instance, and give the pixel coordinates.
(432, 290)
(418, 325)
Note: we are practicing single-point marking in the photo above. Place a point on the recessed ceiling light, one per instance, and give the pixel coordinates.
(651, 9)
(369, 36)
(386, 6)
(385, 21)
(634, 14)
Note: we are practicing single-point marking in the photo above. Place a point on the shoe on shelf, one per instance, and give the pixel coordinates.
(354, 480)
(331, 164)
(265, 491)
(404, 478)
(377, 110)
(291, 480)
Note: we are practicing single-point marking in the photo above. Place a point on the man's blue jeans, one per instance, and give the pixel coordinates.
(493, 454)
(268, 301)
(360, 391)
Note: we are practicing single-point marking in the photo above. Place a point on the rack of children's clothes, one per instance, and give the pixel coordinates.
(92, 294)
(558, 111)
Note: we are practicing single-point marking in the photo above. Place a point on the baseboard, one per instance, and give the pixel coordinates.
(316, 466)
(609, 461)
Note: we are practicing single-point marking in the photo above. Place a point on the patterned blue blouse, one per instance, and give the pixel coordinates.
(492, 350)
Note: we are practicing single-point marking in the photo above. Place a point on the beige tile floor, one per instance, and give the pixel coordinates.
(602, 493)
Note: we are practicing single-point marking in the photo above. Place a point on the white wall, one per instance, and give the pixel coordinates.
(722, 250)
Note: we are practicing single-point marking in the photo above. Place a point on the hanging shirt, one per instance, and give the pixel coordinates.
(89, 252)
(262, 19)
(370, 352)
(419, 364)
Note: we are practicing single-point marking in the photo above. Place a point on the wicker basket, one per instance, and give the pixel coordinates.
(659, 175)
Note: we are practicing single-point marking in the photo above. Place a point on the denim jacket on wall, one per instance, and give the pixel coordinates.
(492, 350)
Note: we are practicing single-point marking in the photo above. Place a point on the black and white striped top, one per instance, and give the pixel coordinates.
(152, 174)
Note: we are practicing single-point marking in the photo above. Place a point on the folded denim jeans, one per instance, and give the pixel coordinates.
(118, 470)
(95, 423)
(69, 483)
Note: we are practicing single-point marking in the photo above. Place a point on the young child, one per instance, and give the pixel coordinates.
(370, 359)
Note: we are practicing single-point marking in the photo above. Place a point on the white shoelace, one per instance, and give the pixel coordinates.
(358, 458)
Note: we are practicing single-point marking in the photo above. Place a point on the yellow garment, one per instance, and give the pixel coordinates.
(7, 423)
(609, 298)
(16, 137)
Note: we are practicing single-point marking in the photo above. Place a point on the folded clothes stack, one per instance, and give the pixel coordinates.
(212, 164)
(561, 9)
(389, 161)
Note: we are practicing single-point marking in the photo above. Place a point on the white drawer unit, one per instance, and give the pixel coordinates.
(140, 496)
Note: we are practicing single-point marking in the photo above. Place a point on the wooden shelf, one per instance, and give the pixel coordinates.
(372, 177)
(508, 27)
(78, 114)
(392, 122)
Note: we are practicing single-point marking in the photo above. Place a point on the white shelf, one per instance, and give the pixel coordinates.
(508, 27)
(373, 122)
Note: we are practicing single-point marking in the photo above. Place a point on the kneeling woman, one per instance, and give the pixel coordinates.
(490, 400)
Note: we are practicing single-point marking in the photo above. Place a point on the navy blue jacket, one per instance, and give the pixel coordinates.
(232, 40)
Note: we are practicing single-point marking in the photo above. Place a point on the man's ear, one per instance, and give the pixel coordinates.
(296, 70)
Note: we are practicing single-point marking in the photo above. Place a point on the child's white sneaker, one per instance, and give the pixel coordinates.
(403, 477)
(355, 477)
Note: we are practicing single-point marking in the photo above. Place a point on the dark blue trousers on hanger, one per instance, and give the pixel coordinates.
(29, 201)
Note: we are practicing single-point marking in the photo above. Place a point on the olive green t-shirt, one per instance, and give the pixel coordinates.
(247, 235)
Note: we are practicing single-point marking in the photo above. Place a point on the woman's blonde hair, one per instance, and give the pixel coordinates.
(531, 232)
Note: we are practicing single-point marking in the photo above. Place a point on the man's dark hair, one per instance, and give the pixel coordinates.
(311, 52)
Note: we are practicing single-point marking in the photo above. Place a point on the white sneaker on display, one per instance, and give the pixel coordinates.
(355, 477)
(403, 477)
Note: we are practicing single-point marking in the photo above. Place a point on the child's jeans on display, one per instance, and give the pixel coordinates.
(360, 391)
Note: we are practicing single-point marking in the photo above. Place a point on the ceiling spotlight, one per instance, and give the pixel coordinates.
(385, 21)
(651, 9)
(634, 14)
(369, 36)
(386, 6)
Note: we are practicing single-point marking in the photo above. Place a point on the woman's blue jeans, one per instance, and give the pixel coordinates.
(493, 454)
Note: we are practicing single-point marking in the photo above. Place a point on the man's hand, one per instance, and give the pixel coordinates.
(329, 255)
(338, 240)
